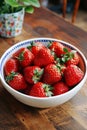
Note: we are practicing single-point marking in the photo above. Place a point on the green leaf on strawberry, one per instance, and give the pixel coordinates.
(48, 90)
(11, 76)
(37, 75)
(67, 56)
(21, 56)
(31, 45)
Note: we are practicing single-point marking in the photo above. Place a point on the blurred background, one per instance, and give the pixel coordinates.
(57, 7)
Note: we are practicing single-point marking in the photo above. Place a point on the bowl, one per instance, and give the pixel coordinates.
(37, 101)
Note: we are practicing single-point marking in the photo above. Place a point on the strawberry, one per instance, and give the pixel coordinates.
(11, 65)
(24, 56)
(57, 48)
(60, 88)
(35, 47)
(16, 81)
(51, 74)
(74, 60)
(41, 90)
(33, 74)
(73, 75)
(70, 57)
(43, 57)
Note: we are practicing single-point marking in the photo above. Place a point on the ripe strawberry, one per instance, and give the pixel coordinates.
(41, 90)
(35, 47)
(11, 65)
(16, 81)
(74, 60)
(51, 74)
(73, 75)
(43, 57)
(57, 48)
(33, 74)
(70, 57)
(24, 56)
(60, 88)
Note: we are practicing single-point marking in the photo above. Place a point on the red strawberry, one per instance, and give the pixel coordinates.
(73, 75)
(41, 90)
(70, 57)
(24, 56)
(74, 60)
(16, 81)
(33, 74)
(51, 74)
(60, 88)
(11, 65)
(43, 57)
(35, 47)
(57, 48)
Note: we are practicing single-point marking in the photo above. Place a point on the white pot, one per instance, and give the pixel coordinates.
(11, 24)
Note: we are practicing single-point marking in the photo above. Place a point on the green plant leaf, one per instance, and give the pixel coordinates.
(25, 2)
(34, 3)
(29, 9)
(12, 3)
(11, 6)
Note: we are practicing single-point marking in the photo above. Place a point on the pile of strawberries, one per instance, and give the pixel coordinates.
(43, 71)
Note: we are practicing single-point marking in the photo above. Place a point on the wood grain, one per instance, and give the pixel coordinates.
(70, 116)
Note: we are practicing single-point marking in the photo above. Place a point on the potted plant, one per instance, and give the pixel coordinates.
(12, 15)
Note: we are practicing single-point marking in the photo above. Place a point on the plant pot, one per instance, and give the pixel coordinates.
(11, 24)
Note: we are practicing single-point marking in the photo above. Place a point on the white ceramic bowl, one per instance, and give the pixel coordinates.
(36, 101)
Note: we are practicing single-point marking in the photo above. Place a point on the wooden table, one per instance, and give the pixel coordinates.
(69, 116)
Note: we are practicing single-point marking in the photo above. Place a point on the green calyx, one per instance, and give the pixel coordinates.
(65, 57)
(49, 44)
(37, 75)
(53, 54)
(58, 67)
(11, 76)
(31, 45)
(48, 90)
(21, 56)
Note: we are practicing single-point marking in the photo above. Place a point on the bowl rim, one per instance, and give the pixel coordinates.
(42, 98)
